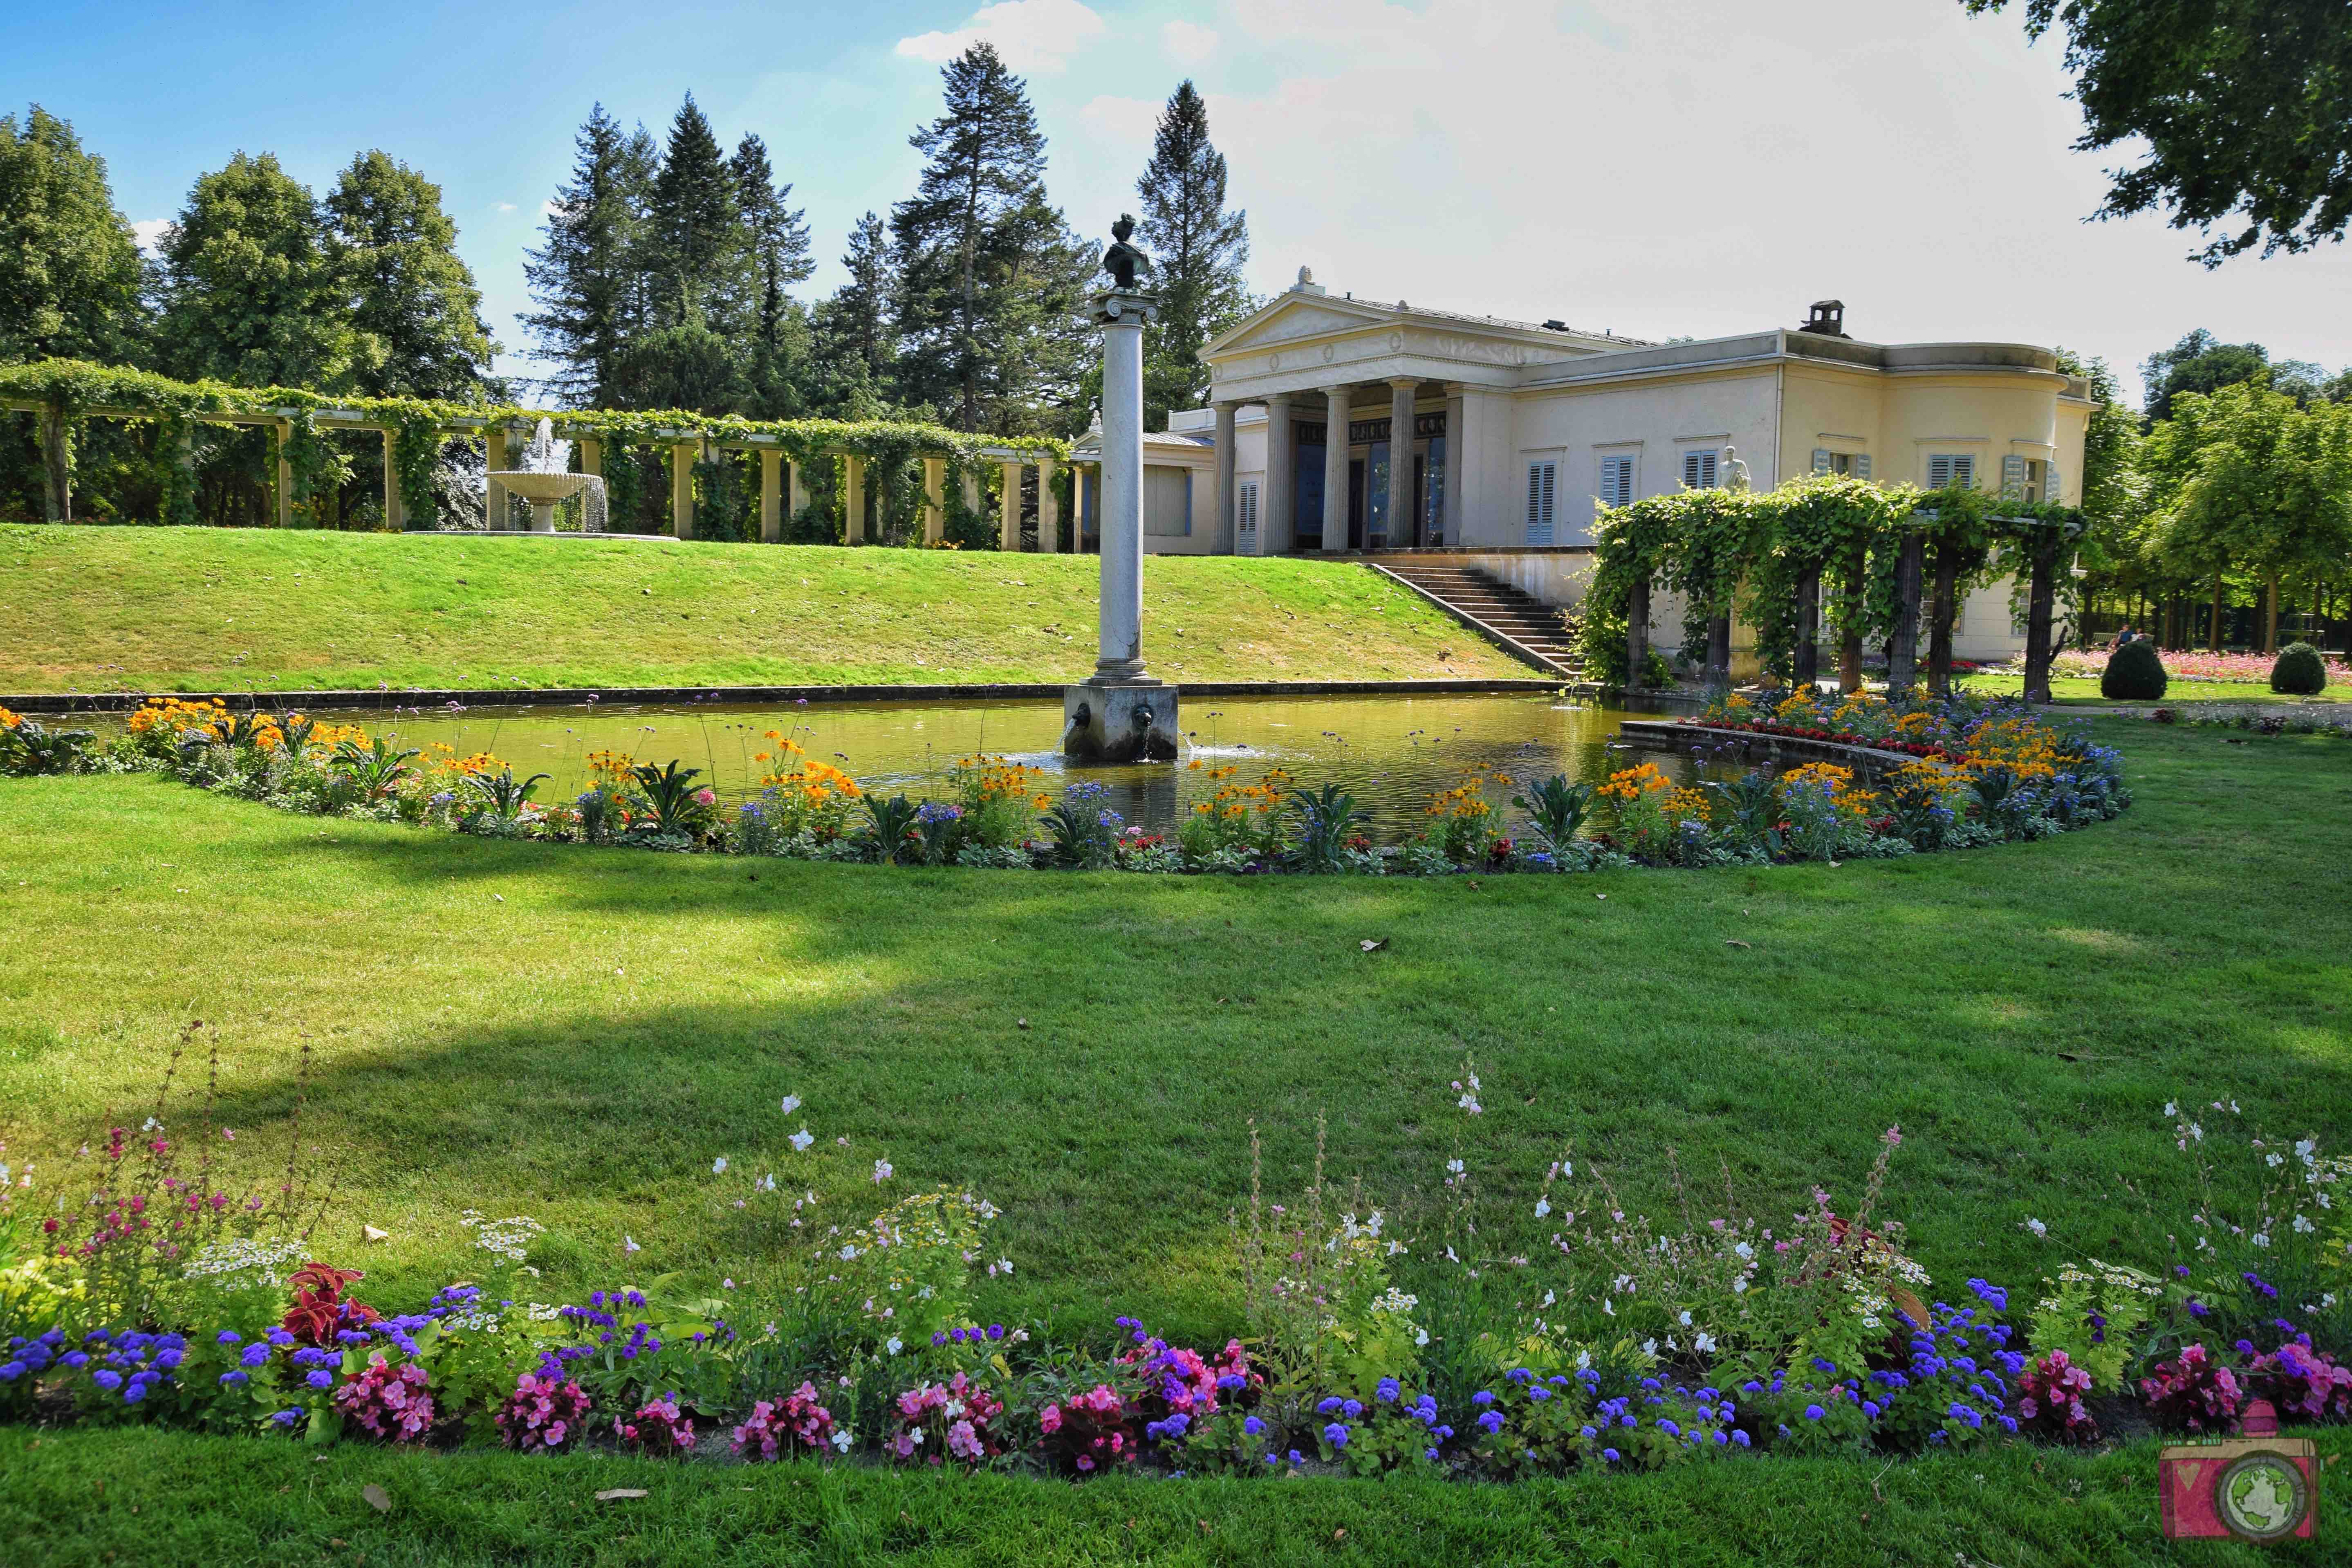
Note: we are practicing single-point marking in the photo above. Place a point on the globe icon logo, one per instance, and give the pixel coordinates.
(2262, 1497)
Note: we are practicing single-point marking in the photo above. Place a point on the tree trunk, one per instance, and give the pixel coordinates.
(1903, 647)
(1718, 652)
(1944, 610)
(1850, 642)
(56, 467)
(1808, 652)
(2271, 616)
(2213, 627)
(2039, 602)
(1637, 634)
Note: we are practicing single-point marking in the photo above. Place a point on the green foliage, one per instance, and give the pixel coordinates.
(1198, 249)
(69, 269)
(1325, 821)
(888, 825)
(2095, 1315)
(2245, 478)
(1557, 807)
(2300, 670)
(2243, 108)
(2135, 672)
(395, 250)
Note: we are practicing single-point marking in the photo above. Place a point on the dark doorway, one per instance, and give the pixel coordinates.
(1355, 503)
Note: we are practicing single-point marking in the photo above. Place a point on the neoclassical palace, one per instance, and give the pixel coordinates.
(1514, 434)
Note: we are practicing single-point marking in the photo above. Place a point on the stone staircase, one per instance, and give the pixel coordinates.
(1524, 625)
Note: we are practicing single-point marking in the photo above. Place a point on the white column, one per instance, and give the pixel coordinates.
(1457, 461)
(395, 510)
(1400, 392)
(1274, 529)
(682, 454)
(1049, 511)
(1222, 543)
(935, 501)
(1008, 507)
(1120, 517)
(1335, 467)
(853, 526)
(494, 460)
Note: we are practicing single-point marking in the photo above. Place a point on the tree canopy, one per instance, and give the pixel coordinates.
(2243, 108)
(70, 277)
(1198, 246)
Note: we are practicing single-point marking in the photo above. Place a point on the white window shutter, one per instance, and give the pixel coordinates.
(2012, 477)
(1939, 473)
(1246, 519)
(1543, 480)
(1861, 465)
(1821, 459)
(2050, 489)
(1964, 470)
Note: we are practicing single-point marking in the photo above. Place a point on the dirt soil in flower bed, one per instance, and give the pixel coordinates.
(206, 609)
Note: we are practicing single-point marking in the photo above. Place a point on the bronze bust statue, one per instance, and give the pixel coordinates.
(1124, 262)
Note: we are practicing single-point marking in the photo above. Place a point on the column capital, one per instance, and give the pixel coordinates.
(1341, 390)
(1279, 399)
(1404, 383)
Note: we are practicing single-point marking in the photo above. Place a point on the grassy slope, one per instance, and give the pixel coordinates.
(225, 1500)
(206, 609)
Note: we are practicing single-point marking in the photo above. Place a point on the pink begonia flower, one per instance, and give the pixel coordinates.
(962, 1443)
(1050, 1418)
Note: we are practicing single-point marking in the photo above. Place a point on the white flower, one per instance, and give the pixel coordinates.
(629, 1244)
(2037, 1227)
(791, 1103)
(2170, 1109)
(1745, 1250)
(849, 1252)
(1650, 1347)
(894, 1345)
(881, 1171)
(2274, 1160)
(1685, 1319)
(1549, 1299)
(767, 1183)
(2196, 1132)
(840, 1440)
(2261, 1238)
(1740, 1285)
(1454, 1166)
(1583, 1359)
(1420, 1336)
(2302, 1226)
(1704, 1344)
(1608, 1305)
(1469, 1102)
(801, 1139)
(1004, 1264)
(1543, 1207)
(718, 1165)
(727, 1284)
(2305, 1149)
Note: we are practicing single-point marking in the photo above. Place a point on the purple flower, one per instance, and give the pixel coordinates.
(1386, 1390)
(1351, 1409)
(1336, 1434)
(1482, 1398)
(1252, 1425)
(1539, 1391)
(1814, 1413)
(232, 1379)
(229, 1337)
(1610, 1455)
(320, 1378)
(107, 1380)
(1492, 1421)
(256, 1355)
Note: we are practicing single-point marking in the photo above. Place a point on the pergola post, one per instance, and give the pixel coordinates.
(1903, 642)
(1637, 633)
(1049, 511)
(592, 456)
(57, 466)
(853, 500)
(681, 487)
(2041, 593)
(494, 460)
(935, 502)
(772, 520)
(395, 505)
(285, 477)
(1009, 509)
(1807, 654)
(1943, 610)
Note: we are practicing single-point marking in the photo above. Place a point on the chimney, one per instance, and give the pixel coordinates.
(1826, 317)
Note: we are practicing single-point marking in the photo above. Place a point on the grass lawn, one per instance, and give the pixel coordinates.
(576, 1034)
(2085, 689)
(201, 609)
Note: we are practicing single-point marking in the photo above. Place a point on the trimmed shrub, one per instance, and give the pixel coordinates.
(2300, 671)
(2135, 673)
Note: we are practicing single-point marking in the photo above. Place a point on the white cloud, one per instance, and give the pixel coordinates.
(505, 206)
(149, 233)
(1187, 43)
(1033, 35)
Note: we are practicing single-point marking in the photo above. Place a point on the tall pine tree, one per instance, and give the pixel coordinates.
(855, 346)
(1198, 248)
(990, 276)
(586, 279)
(395, 251)
(778, 241)
(697, 239)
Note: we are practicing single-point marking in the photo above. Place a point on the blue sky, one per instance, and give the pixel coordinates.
(1652, 167)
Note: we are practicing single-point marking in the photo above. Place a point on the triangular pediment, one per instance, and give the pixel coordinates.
(1292, 316)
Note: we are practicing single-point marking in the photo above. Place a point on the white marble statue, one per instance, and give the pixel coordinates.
(1734, 471)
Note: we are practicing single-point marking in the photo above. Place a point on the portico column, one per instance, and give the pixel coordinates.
(1222, 541)
(1009, 509)
(1401, 394)
(1335, 467)
(395, 513)
(1457, 462)
(1049, 511)
(681, 487)
(853, 487)
(771, 502)
(935, 501)
(1277, 529)
(494, 460)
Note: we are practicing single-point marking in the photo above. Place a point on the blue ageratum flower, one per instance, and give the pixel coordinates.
(1386, 1391)
(1336, 1434)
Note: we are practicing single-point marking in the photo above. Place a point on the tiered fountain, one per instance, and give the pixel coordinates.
(544, 479)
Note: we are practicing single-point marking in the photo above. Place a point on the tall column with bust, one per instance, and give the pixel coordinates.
(1335, 467)
(1401, 390)
(1121, 714)
(1223, 544)
(1276, 529)
(1457, 463)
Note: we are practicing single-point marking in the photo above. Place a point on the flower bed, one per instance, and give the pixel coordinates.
(2188, 664)
(1456, 1338)
(1986, 772)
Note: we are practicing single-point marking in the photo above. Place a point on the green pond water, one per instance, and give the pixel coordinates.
(1391, 752)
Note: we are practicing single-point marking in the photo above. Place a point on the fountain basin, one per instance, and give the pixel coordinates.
(542, 490)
